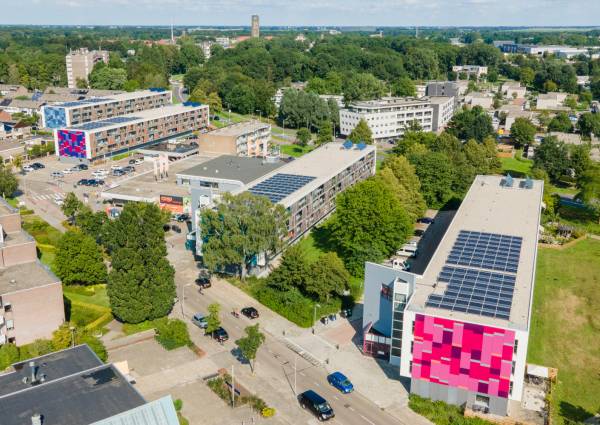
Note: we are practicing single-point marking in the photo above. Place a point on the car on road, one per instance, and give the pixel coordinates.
(28, 168)
(317, 404)
(136, 161)
(116, 167)
(81, 167)
(419, 232)
(250, 312)
(67, 171)
(118, 172)
(37, 166)
(129, 169)
(220, 335)
(339, 381)
(426, 220)
(99, 174)
(57, 174)
(181, 217)
(83, 182)
(199, 320)
(203, 282)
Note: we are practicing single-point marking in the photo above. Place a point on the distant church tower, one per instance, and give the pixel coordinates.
(255, 31)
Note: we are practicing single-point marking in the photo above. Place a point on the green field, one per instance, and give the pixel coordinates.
(565, 327)
(516, 167)
(91, 295)
(295, 150)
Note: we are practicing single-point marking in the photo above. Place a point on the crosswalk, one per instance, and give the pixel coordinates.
(48, 196)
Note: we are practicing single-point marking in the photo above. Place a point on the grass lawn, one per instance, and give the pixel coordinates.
(565, 327)
(42, 232)
(91, 295)
(516, 167)
(295, 150)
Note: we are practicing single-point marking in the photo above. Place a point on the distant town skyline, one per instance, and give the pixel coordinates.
(305, 13)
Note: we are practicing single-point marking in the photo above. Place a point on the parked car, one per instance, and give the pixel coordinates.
(37, 166)
(136, 161)
(82, 167)
(118, 172)
(129, 169)
(95, 182)
(317, 404)
(426, 220)
(200, 321)
(203, 282)
(67, 171)
(250, 312)
(99, 173)
(116, 167)
(28, 168)
(339, 381)
(57, 174)
(419, 232)
(220, 335)
(83, 182)
(181, 217)
(176, 228)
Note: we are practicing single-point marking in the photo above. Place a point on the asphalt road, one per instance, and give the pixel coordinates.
(178, 91)
(274, 358)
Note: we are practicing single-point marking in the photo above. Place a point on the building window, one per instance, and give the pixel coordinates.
(386, 292)
(7, 307)
(512, 369)
(516, 346)
(510, 388)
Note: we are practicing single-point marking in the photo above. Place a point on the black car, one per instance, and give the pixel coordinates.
(176, 228)
(82, 167)
(220, 335)
(182, 217)
(95, 183)
(419, 232)
(317, 404)
(426, 220)
(37, 166)
(250, 312)
(132, 162)
(118, 173)
(203, 282)
(83, 182)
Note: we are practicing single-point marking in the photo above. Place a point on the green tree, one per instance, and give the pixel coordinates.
(436, 174)
(302, 137)
(552, 156)
(250, 344)
(71, 206)
(327, 277)
(240, 228)
(560, 122)
(292, 270)
(550, 86)
(62, 338)
(361, 133)
(106, 78)
(325, 133)
(214, 103)
(198, 95)
(527, 76)
(141, 283)
(406, 186)
(589, 124)
(522, 132)
(79, 260)
(580, 161)
(369, 224)
(363, 86)
(404, 87)
(18, 163)
(589, 184)
(92, 223)
(213, 321)
(8, 182)
(472, 123)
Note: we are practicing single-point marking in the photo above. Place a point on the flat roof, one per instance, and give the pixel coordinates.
(322, 163)
(230, 167)
(6, 208)
(488, 207)
(145, 188)
(387, 101)
(438, 100)
(240, 128)
(121, 97)
(25, 276)
(133, 118)
(157, 412)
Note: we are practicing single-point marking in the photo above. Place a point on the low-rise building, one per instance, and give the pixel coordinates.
(13, 90)
(94, 109)
(53, 94)
(460, 330)
(249, 138)
(31, 297)
(513, 90)
(388, 117)
(23, 106)
(471, 70)
(552, 100)
(111, 136)
(485, 100)
(443, 110)
(74, 387)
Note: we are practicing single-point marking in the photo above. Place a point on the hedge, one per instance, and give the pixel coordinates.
(172, 333)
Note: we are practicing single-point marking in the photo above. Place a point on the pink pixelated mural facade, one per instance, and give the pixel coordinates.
(463, 355)
(71, 143)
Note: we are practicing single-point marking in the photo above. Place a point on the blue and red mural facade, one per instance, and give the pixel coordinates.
(473, 357)
(71, 143)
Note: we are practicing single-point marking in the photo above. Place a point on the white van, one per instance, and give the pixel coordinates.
(399, 263)
(408, 250)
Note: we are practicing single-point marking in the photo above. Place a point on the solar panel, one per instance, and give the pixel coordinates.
(486, 251)
(93, 125)
(474, 291)
(85, 102)
(280, 186)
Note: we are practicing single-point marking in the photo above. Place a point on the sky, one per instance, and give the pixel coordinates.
(304, 12)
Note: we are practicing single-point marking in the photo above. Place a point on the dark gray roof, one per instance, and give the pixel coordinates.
(53, 366)
(230, 167)
(79, 399)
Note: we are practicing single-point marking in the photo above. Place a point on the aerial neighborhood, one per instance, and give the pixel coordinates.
(218, 221)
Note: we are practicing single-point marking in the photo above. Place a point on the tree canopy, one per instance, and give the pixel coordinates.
(522, 131)
(362, 133)
(8, 181)
(79, 260)
(472, 123)
(250, 344)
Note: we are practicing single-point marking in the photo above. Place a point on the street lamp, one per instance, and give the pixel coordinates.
(183, 299)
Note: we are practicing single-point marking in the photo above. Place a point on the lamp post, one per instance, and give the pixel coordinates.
(183, 299)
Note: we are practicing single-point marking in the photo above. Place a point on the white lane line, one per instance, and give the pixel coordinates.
(351, 408)
(368, 420)
(301, 374)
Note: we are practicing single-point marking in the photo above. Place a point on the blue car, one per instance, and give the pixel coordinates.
(339, 381)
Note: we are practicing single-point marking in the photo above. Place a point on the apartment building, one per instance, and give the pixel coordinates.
(460, 329)
(513, 90)
(471, 70)
(255, 27)
(31, 297)
(68, 114)
(249, 138)
(80, 64)
(443, 110)
(551, 100)
(388, 117)
(111, 136)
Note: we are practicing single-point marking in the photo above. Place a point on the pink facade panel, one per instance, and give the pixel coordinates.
(464, 355)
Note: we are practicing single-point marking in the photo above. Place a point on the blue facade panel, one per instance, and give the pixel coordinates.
(55, 117)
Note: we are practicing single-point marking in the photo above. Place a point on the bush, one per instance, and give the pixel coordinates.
(133, 328)
(178, 404)
(441, 413)
(290, 304)
(172, 333)
(267, 412)
(9, 354)
(218, 386)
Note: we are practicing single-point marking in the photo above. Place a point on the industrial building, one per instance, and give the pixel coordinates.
(111, 136)
(31, 296)
(388, 117)
(74, 387)
(248, 138)
(460, 329)
(80, 64)
(69, 114)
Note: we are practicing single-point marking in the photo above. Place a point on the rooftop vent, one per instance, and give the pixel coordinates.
(348, 144)
(526, 184)
(507, 182)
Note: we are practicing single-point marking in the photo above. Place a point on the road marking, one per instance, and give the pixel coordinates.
(336, 397)
(368, 420)
(301, 374)
(351, 408)
(317, 384)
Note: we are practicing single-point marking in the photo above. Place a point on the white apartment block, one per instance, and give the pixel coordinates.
(443, 110)
(81, 62)
(388, 117)
(475, 70)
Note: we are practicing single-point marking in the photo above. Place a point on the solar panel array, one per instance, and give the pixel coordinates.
(475, 291)
(280, 186)
(481, 273)
(94, 125)
(487, 251)
(85, 102)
